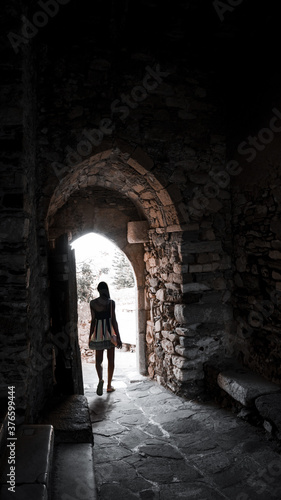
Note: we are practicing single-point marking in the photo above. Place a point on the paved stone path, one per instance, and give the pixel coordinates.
(153, 445)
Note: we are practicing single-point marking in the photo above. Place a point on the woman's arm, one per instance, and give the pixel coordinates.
(115, 324)
(92, 321)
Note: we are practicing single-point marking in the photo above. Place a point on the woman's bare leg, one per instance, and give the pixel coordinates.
(110, 369)
(99, 359)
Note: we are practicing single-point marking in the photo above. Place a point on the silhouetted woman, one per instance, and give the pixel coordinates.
(103, 316)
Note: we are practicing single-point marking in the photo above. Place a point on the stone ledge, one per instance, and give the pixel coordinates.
(245, 386)
(34, 456)
(70, 417)
(25, 492)
(74, 472)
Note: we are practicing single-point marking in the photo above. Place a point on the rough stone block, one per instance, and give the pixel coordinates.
(14, 229)
(168, 346)
(70, 418)
(175, 278)
(153, 282)
(149, 332)
(154, 183)
(170, 336)
(158, 325)
(245, 386)
(174, 228)
(208, 268)
(177, 268)
(153, 262)
(164, 197)
(180, 362)
(186, 332)
(152, 358)
(137, 232)
(185, 353)
(196, 268)
(188, 353)
(161, 294)
(275, 254)
(187, 375)
(194, 287)
(201, 247)
(269, 407)
(198, 313)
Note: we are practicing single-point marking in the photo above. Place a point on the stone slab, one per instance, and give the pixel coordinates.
(73, 475)
(25, 492)
(34, 455)
(201, 313)
(269, 407)
(70, 417)
(245, 386)
(201, 247)
(137, 231)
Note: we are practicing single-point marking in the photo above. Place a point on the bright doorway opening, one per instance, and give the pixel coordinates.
(99, 259)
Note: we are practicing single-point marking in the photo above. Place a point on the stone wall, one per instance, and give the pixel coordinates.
(257, 277)
(104, 122)
(163, 138)
(188, 287)
(24, 296)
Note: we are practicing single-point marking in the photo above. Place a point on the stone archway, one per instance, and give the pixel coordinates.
(130, 174)
(180, 266)
(117, 195)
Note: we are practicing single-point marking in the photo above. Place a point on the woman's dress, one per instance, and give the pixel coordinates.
(102, 329)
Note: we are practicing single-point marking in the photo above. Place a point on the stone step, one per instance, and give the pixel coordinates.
(70, 417)
(25, 492)
(31, 455)
(245, 386)
(73, 471)
(73, 475)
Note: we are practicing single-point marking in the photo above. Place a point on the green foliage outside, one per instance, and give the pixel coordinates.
(88, 276)
(85, 282)
(123, 275)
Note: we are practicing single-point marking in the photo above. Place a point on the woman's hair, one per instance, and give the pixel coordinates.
(103, 289)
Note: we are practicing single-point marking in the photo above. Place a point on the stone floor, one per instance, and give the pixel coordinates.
(153, 445)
